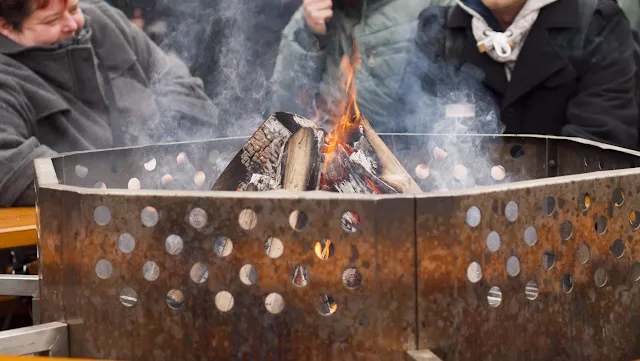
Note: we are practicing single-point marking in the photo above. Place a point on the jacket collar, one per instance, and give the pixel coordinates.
(561, 14)
(529, 70)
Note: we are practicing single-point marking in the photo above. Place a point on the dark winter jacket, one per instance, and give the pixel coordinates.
(562, 84)
(383, 30)
(52, 98)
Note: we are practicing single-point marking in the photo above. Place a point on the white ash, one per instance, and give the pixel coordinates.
(260, 183)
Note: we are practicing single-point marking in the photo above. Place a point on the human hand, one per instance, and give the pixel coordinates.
(317, 13)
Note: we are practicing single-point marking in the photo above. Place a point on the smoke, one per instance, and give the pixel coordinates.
(232, 46)
(440, 97)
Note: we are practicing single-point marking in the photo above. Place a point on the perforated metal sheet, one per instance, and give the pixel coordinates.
(413, 256)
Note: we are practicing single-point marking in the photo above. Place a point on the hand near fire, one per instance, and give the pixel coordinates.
(317, 13)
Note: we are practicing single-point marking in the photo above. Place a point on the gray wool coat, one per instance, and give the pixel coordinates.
(384, 31)
(52, 98)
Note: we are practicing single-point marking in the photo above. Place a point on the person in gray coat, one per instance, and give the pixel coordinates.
(79, 76)
(306, 75)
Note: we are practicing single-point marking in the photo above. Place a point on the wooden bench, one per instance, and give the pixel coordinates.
(18, 227)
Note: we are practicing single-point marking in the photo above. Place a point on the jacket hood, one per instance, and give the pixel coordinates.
(10, 47)
(479, 8)
(55, 62)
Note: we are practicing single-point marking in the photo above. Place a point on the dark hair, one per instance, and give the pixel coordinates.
(14, 12)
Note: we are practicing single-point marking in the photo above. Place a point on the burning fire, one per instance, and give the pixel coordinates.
(345, 115)
(347, 119)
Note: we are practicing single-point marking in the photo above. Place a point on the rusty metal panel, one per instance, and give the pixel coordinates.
(587, 305)
(107, 270)
(374, 321)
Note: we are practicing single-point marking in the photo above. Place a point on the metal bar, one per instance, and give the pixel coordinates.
(422, 355)
(19, 285)
(51, 338)
(35, 310)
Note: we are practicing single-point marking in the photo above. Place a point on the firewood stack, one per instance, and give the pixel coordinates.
(291, 152)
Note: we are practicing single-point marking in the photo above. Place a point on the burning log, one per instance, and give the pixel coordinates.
(290, 152)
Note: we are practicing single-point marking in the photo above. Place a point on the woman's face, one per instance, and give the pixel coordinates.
(59, 20)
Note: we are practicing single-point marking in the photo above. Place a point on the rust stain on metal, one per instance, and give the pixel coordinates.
(413, 255)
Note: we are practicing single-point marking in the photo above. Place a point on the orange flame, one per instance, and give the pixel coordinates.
(345, 115)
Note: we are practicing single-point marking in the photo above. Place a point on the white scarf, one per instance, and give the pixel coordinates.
(504, 47)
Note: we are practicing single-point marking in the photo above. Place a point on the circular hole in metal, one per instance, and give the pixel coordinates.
(117, 164)
(422, 171)
(566, 230)
(126, 243)
(517, 151)
(174, 245)
(300, 276)
(223, 246)
(175, 299)
(81, 171)
(198, 218)
(350, 222)
(493, 241)
(600, 277)
(104, 269)
(473, 217)
(617, 248)
(102, 215)
(273, 247)
(199, 272)
(548, 260)
(248, 275)
(567, 283)
(548, 206)
(460, 172)
(324, 249)
(583, 254)
(224, 301)
(149, 216)
(181, 159)
(634, 272)
(513, 266)
(495, 296)
(498, 173)
(248, 219)
(166, 181)
(634, 220)
(351, 278)
(601, 225)
(100, 185)
(151, 164)
(530, 236)
(618, 197)
(134, 184)
(150, 271)
(531, 290)
(274, 303)
(326, 305)
(474, 272)
(298, 220)
(585, 202)
(199, 178)
(128, 297)
(511, 211)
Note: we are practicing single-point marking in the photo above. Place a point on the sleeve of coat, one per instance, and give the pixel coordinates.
(298, 71)
(605, 108)
(180, 97)
(18, 149)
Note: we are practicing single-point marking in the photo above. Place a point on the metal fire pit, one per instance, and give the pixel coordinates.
(529, 270)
